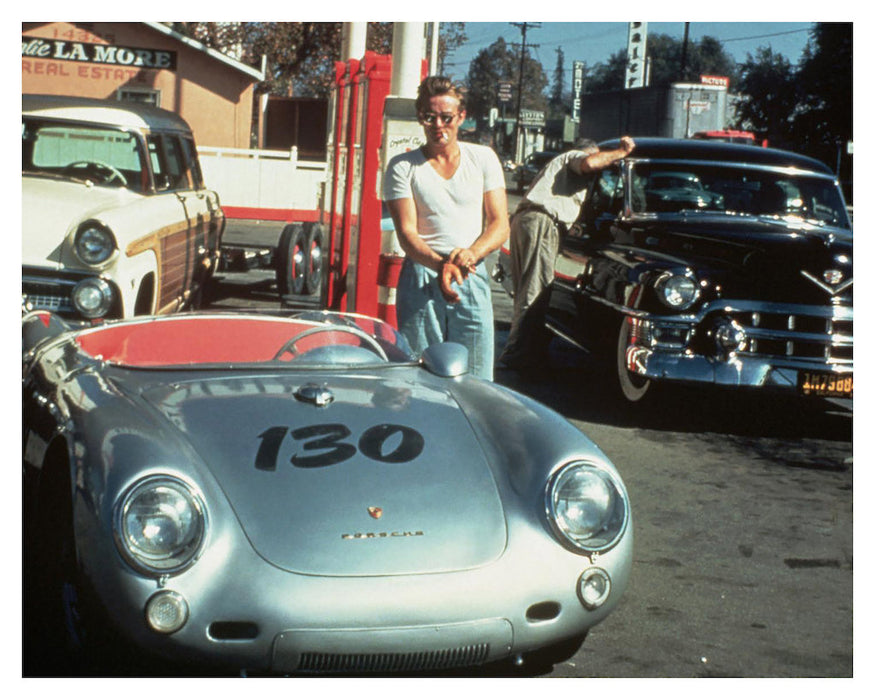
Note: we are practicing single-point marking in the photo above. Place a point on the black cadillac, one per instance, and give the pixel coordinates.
(711, 263)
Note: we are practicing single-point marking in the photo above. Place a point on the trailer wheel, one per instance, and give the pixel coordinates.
(313, 275)
(291, 260)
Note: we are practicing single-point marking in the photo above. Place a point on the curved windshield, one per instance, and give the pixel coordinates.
(101, 155)
(693, 187)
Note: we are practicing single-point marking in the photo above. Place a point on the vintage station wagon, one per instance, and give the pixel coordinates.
(116, 219)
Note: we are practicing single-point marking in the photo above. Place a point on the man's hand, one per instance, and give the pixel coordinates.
(450, 272)
(627, 144)
(464, 258)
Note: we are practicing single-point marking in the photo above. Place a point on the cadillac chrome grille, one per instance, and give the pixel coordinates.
(797, 335)
(315, 662)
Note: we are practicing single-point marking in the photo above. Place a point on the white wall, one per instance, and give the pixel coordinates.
(262, 179)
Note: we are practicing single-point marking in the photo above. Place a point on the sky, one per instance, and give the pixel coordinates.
(595, 42)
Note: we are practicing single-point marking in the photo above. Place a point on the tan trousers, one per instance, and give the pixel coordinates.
(534, 245)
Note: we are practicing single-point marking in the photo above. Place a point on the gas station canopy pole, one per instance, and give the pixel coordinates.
(353, 40)
(407, 45)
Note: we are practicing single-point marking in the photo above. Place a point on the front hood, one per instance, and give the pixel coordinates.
(386, 479)
(52, 207)
(750, 255)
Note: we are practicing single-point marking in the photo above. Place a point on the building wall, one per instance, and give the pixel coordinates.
(213, 97)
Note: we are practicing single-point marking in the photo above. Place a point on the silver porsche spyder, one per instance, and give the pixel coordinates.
(300, 494)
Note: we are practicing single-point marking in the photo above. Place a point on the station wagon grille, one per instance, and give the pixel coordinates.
(315, 662)
(797, 335)
(46, 294)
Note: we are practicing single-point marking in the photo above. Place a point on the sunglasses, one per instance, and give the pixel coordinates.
(430, 118)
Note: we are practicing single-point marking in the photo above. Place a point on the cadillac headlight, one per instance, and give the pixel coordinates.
(160, 525)
(587, 506)
(94, 243)
(678, 292)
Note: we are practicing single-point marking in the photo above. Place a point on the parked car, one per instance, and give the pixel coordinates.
(116, 218)
(749, 283)
(526, 173)
(301, 494)
(676, 190)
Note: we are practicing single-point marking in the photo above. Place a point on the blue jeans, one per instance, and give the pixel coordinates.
(425, 318)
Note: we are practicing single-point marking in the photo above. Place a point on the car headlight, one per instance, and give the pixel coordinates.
(94, 243)
(587, 506)
(92, 297)
(160, 525)
(677, 291)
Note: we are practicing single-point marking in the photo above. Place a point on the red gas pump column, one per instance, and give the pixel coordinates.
(354, 222)
(363, 259)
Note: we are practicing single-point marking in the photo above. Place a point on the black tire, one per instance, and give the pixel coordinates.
(291, 261)
(632, 387)
(54, 633)
(67, 632)
(315, 258)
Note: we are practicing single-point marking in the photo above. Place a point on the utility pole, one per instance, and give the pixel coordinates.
(523, 26)
(684, 51)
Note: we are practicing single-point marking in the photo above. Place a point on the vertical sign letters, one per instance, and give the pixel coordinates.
(636, 51)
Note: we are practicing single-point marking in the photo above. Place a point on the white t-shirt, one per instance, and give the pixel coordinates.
(449, 213)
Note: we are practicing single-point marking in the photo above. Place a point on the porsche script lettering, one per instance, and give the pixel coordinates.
(380, 535)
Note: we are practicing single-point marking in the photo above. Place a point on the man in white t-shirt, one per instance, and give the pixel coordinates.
(448, 203)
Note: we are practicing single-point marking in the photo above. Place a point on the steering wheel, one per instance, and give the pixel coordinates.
(99, 167)
(289, 345)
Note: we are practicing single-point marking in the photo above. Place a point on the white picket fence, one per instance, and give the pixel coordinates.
(261, 179)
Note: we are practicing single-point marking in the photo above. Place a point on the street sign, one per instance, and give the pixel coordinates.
(531, 117)
(505, 92)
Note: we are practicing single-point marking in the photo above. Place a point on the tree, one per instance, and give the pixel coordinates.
(500, 63)
(825, 79)
(558, 105)
(769, 95)
(450, 36)
(300, 55)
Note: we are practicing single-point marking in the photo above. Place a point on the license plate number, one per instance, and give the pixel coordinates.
(826, 384)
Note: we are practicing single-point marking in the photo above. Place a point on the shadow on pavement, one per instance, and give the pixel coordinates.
(578, 388)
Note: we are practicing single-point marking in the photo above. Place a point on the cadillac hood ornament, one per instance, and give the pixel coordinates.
(832, 281)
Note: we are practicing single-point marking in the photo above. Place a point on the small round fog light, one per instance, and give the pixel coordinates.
(728, 336)
(166, 612)
(594, 587)
(92, 297)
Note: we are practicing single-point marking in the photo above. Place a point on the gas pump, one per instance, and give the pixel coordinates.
(362, 256)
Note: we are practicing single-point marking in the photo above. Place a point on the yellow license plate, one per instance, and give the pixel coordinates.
(826, 384)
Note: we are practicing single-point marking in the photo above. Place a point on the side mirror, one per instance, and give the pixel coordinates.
(446, 359)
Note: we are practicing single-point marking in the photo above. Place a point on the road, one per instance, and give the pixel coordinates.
(743, 522)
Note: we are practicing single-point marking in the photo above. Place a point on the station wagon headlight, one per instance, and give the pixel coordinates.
(160, 525)
(678, 292)
(94, 243)
(587, 507)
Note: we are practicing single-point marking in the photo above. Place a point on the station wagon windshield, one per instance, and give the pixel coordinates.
(101, 155)
(693, 187)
